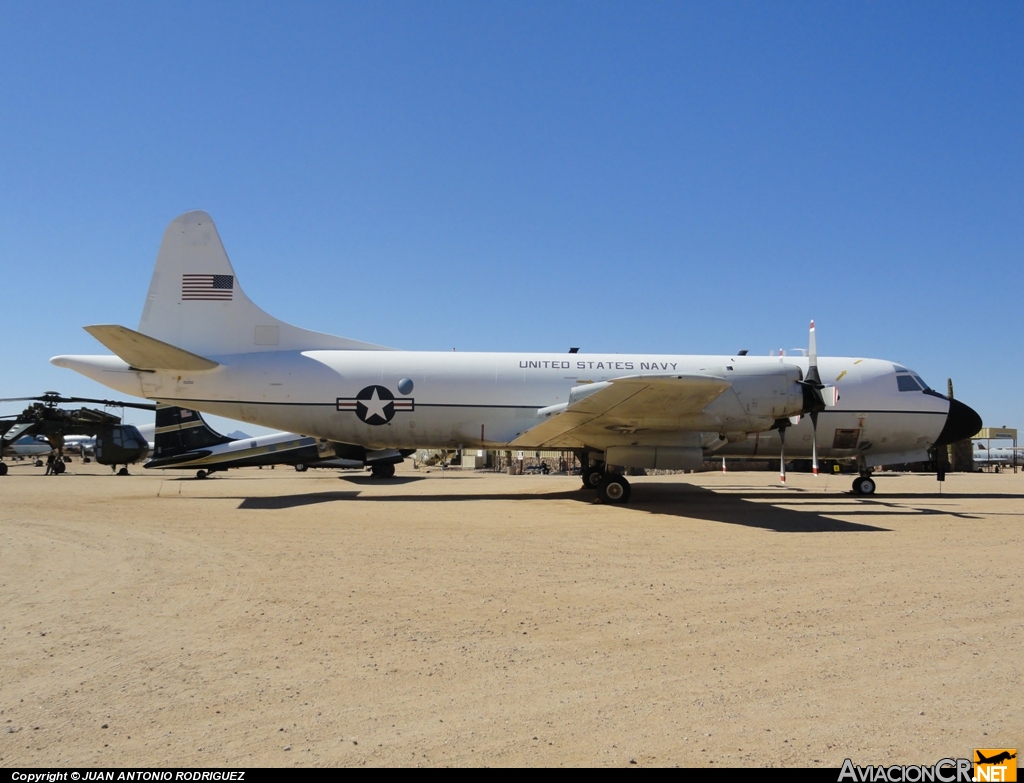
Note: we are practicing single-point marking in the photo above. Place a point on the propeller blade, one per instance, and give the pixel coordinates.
(813, 378)
(814, 442)
(782, 455)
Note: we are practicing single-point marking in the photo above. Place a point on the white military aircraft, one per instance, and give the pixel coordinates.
(203, 344)
(998, 455)
(28, 446)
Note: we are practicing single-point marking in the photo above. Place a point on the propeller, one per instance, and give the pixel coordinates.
(814, 401)
(52, 398)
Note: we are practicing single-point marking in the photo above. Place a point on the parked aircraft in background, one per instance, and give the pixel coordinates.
(203, 344)
(114, 443)
(27, 446)
(998, 455)
(183, 439)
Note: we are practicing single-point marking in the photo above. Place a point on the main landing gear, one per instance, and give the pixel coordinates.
(614, 489)
(593, 477)
(383, 471)
(611, 487)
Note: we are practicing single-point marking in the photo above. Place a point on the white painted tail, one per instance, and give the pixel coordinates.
(196, 303)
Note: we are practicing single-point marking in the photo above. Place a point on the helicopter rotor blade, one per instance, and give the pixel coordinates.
(145, 406)
(55, 398)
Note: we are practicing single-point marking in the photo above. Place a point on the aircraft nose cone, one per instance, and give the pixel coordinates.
(961, 423)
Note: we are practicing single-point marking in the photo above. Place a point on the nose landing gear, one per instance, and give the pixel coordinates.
(863, 485)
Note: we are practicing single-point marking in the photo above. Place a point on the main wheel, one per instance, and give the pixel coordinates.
(614, 489)
(59, 467)
(383, 471)
(301, 467)
(592, 478)
(123, 471)
(201, 474)
(3, 469)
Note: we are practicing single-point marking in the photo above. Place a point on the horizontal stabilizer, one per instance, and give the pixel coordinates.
(147, 353)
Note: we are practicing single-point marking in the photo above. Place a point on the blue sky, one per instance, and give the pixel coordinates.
(657, 177)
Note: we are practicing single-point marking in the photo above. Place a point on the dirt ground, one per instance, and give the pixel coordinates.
(274, 618)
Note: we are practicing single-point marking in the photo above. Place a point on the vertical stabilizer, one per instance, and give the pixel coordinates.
(195, 301)
(180, 430)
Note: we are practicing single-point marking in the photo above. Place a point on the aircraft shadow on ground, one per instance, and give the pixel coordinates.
(750, 509)
(371, 481)
(280, 502)
(754, 507)
(685, 501)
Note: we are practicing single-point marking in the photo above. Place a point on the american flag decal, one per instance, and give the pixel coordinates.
(207, 287)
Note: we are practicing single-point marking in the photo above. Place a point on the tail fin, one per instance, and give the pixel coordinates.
(196, 303)
(179, 430)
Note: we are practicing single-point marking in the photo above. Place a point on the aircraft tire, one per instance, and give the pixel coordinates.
(592, 478)
(59, 467)
(301, 467)
(38, 463)
(123, 472)
(383, 471)
(615, 489)
(864, 485)
(201, 474)
(86, 460)
(3, 469)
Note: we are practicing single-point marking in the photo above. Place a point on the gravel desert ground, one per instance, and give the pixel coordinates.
(444, 618)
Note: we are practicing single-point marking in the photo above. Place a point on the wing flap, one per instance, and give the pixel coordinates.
(625, 402)
(147, 353)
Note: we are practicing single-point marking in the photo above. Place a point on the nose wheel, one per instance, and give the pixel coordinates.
(863, 485)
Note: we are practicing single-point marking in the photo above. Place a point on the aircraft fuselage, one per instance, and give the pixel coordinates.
(488, 400)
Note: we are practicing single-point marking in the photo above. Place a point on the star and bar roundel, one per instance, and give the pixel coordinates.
(375, 405)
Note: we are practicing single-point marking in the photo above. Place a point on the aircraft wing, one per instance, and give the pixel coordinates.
(621, 403)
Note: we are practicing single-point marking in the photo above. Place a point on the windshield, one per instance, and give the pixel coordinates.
(908, 380)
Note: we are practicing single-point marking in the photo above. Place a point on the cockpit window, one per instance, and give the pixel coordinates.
(906, 382)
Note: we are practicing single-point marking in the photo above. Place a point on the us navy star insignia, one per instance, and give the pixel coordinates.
(375, 405)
